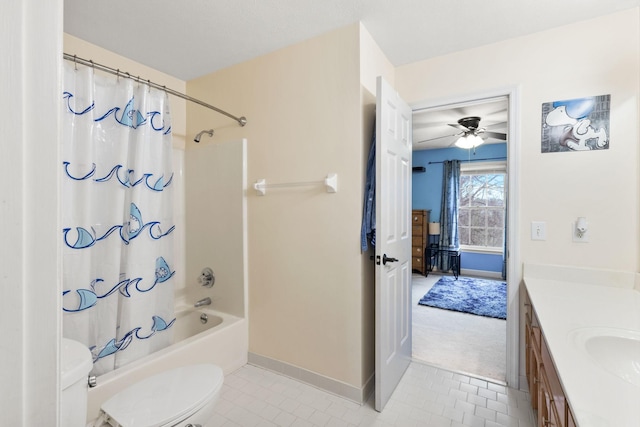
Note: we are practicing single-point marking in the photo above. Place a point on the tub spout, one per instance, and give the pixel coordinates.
(203, 301)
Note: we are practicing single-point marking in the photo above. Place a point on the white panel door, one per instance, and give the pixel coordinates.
(393, 240)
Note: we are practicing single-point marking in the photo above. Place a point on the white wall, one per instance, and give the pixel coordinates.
(31, 45)
(595, 57)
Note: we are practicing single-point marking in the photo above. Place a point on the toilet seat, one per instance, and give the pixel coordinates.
(166, 398)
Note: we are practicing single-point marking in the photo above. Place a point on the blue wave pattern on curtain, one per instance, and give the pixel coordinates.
(449, 237)
(117, 213)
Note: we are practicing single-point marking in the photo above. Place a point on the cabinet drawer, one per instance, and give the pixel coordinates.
(418, 241)
(554, 387)
(417, 251)
(417, 218)
(418, 230)
(416, 261)
(570, 421)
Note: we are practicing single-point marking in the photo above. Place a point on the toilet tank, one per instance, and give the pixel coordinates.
(75, 364)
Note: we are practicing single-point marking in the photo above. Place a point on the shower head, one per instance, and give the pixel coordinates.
(197, 138)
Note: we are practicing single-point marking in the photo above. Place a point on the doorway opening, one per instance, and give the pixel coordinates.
(481, 346)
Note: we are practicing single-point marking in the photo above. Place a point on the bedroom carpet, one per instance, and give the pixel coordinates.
(457, 341)
(482, 297)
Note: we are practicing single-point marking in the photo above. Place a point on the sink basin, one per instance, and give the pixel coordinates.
(615, 350)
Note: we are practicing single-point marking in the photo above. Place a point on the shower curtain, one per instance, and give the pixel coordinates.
(116, 216)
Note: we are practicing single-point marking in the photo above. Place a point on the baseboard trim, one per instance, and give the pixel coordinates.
(347, 391)
(481, 273)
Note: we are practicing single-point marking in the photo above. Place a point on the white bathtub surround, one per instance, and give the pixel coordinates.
(224, 344)
(573, 304)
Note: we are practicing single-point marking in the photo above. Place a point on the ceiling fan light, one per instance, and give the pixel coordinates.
(476, 140)
(464, 142)
(469, 141)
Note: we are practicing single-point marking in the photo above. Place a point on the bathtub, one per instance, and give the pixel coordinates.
(223, 340)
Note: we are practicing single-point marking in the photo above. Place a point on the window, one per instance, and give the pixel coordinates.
(481, 212)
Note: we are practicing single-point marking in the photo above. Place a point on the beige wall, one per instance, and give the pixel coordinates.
(594, 57)
(303, 106)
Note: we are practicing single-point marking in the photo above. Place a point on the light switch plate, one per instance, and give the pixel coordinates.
(538, 230)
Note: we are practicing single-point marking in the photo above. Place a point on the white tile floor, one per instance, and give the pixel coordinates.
(426, 396)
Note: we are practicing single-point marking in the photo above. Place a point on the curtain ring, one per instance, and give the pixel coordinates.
(149, 84)
(75, 62)
(118, 75)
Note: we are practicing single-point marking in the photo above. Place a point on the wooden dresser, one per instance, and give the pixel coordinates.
(419, 236)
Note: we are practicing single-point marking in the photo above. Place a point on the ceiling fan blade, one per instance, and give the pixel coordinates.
(496, 135)
(459, 126)
(437, 137)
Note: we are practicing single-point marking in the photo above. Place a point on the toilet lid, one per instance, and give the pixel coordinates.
(164, 398)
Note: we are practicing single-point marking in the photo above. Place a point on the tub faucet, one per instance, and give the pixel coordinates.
(203, 301)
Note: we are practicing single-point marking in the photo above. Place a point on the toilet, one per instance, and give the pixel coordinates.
(75, 365)
(183, 396)
(179, 397)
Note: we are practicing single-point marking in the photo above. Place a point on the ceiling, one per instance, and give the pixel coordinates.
(191, 38)
(432, 127)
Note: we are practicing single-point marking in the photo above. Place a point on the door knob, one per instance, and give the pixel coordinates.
(386, 259)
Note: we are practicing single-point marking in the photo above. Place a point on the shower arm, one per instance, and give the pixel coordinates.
(199, 135)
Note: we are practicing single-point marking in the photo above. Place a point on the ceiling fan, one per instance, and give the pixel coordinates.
(470, 131)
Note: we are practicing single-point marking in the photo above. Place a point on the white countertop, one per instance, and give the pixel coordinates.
(563, 305)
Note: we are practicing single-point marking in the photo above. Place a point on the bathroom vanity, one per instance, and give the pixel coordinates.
(547, 395)
(582, 346)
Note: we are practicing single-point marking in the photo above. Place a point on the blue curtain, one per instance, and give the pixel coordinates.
(368, 230)
(449, 210)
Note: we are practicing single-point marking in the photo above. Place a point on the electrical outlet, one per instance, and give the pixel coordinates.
(538, 230)
(577, 237)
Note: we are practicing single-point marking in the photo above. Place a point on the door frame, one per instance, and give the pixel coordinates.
(514, 265)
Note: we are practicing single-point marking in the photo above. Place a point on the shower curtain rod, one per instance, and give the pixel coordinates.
(116, 72)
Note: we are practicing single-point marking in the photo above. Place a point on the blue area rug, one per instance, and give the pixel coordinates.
(476, 296)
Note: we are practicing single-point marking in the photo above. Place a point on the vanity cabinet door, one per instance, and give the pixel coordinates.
(547, 396)
(553, 384)
(531, 353)
(547, 413)
(570, 421)
(532, 367)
